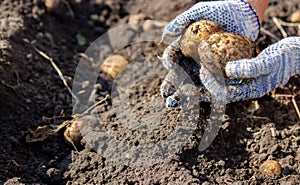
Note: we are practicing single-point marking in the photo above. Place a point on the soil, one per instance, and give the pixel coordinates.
(32, 95)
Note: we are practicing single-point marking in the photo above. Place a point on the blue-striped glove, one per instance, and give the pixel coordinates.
(274, 66)
(236, 16)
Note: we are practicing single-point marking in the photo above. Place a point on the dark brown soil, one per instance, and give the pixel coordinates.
(33, 95)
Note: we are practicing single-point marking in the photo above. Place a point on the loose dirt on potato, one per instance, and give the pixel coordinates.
(33, 94)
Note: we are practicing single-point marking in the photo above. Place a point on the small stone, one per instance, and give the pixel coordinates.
(295, 17)
(51, 4)
(273, 132)
(253, 107)
(51, 172)
(54, 175)
(29, 56)
(14, 180)
(221, 163)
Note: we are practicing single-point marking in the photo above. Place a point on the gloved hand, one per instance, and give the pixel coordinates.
(236, 16)
(273, 67)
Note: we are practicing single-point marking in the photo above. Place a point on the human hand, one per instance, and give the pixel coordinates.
(274, 66)
(235, 16)
(271, 68)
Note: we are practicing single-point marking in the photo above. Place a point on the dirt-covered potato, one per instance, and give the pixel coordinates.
(270, 168)
(206, 41)
(221, 47)
(196, 33)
